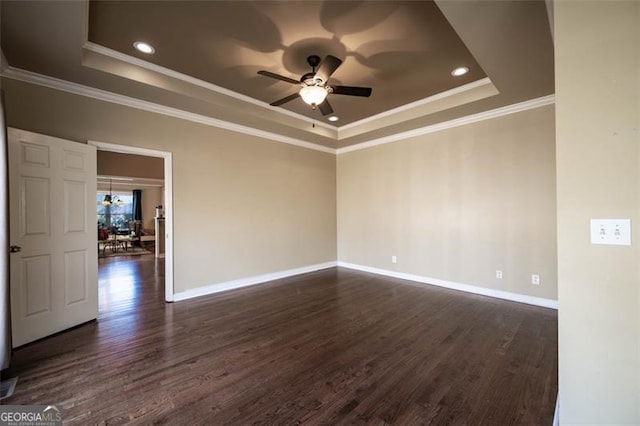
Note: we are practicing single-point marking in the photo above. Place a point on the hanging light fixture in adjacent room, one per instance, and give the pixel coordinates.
(109, 199)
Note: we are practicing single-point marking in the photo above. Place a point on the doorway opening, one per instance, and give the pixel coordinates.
(127, 236)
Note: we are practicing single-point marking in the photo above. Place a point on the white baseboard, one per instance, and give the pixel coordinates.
(515, 297)
(249, 281)
(245, 282)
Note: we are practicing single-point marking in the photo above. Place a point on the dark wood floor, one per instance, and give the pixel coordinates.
(334, 346)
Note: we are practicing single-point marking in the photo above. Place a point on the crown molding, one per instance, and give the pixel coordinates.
(416, 104)
(132, 60)
(474, 118)
(103, 95)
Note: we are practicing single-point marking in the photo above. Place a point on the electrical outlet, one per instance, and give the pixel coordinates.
(535, 279)
(394, 259)
(499, 274)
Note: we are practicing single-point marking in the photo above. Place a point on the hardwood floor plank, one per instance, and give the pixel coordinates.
(330, 347)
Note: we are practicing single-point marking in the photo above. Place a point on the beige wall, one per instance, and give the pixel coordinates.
(243, 206)
(457, 205)
(118, 164)
(598, 163)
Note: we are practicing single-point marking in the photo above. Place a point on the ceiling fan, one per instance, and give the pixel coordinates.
(314, 85)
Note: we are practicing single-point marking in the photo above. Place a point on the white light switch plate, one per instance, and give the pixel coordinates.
(611, 231)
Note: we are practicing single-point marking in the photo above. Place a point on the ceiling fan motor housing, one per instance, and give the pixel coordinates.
(308, 79)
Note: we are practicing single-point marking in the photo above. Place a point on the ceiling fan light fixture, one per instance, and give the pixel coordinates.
(313, 87)
(457, 72)
(313, 95)
(143, 47)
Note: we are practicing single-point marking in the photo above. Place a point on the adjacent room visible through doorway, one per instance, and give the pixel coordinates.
(134, 207)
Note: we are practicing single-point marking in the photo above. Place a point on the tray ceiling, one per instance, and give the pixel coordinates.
(404, 50)
(208, 54)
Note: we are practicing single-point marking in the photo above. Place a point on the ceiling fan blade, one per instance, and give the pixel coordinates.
(325, 107)
(278, 77)
(352, 91)
(328, 66)
(284, 100)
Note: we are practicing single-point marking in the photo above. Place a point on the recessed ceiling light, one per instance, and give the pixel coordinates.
(334, 118)
(144, 47)
(460, 71)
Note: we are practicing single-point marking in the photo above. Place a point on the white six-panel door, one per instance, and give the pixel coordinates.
(53, 220)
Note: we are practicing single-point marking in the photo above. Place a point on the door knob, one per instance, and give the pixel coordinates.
(15, 249)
